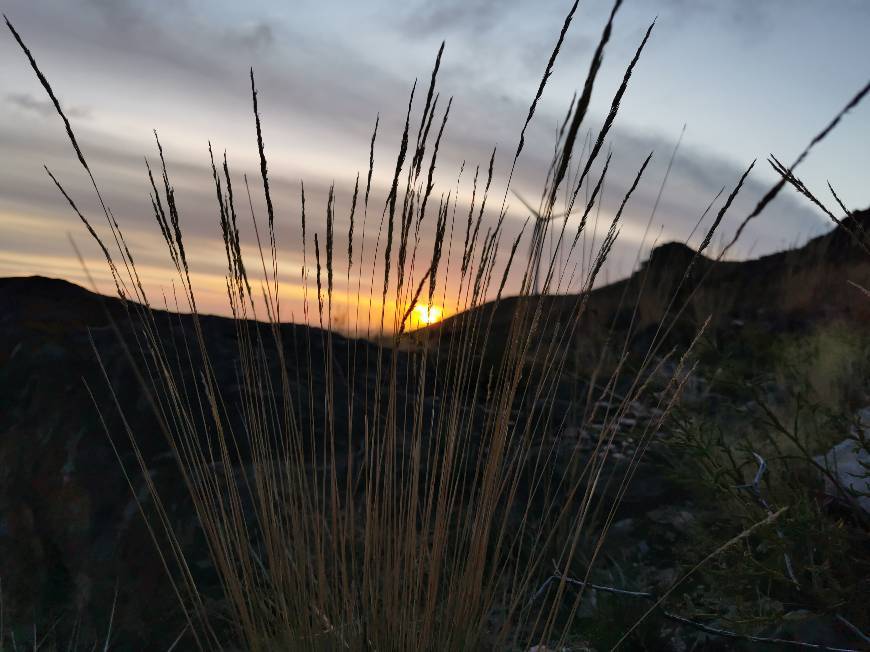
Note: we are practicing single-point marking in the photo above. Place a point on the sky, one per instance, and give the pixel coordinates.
(745, 78)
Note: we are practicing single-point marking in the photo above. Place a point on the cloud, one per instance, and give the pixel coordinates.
(453, 15)
(44, 108)
(117, 14)
(319, 97)
(483, 114)
(256, 36)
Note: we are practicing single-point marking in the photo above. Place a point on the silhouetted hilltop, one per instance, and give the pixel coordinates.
(787, 289)
(34, 299)
(672, 255)
(70, 529)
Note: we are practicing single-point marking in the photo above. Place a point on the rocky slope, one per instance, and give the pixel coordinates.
(71, 534)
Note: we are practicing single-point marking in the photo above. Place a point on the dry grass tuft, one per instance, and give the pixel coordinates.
(362, 496)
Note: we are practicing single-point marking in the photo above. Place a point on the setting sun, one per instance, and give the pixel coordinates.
(424, 315)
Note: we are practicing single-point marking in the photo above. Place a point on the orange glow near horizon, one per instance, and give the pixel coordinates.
(425, 315)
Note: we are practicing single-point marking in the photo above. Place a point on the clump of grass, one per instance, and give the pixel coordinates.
(362, 495)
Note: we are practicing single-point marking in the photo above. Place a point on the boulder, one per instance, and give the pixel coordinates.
(849, 464)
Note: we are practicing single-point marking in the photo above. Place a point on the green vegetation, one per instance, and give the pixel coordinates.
(781, 409)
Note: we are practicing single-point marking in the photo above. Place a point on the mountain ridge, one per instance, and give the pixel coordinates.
(799, 285)
(47, 296)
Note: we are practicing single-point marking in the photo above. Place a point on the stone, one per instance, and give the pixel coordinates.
(849, 463)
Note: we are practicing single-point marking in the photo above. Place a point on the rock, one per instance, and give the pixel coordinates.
(849, 463)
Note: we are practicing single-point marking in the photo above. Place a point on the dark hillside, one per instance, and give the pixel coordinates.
(70, 532)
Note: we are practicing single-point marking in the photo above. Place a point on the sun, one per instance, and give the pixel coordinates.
(425, 315)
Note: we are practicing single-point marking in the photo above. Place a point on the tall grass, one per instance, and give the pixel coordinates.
(388, 490)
